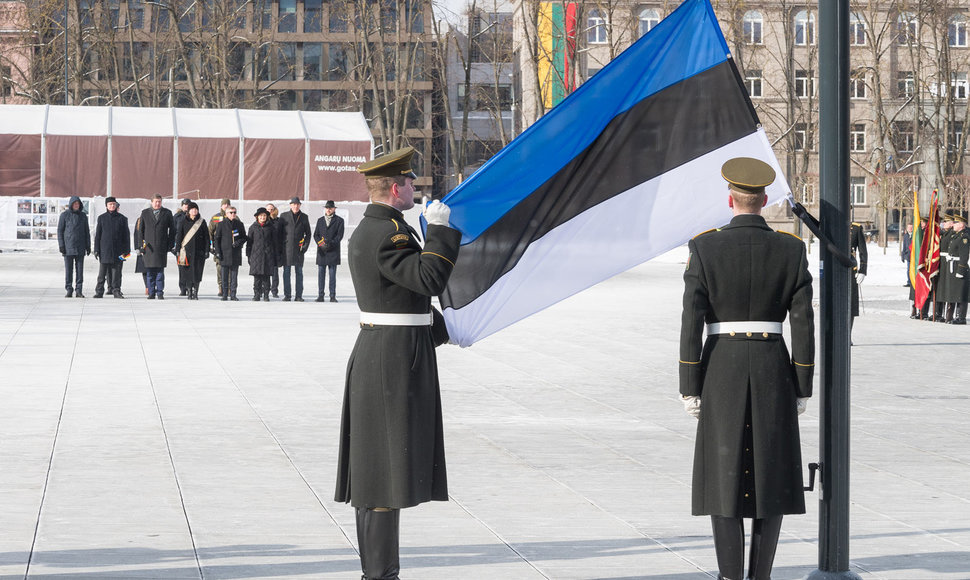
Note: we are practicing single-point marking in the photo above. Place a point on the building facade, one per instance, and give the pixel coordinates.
(343, 55)
(908, 89)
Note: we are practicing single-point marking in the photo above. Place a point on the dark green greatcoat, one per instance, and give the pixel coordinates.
(747, 272)
(857, 245)
(959, 291)
(392, 450)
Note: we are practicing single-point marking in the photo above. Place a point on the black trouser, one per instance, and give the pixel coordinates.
(377, 538)
(321, 278)
(261, 284)
(230, 279)
(111, 273)
(299, 281)
(729, 546)
(73, 268)
(191, 275)
(275, 281)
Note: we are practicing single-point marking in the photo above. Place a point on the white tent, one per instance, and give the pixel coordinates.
(57, 151)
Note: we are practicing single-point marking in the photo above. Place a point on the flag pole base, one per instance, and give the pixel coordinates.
(823, 575)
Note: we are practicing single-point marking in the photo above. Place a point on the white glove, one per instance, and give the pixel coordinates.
(692, 405)
(859, 277)
(959, 275)
(437, 213)
(801, 403)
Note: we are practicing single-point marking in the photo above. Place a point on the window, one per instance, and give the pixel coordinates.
(808, 196)
(389, 15)
(596, 27)
(312, 56)
(6, 82)
(752, 82)
(337, 69)
(265, 9)
(287, 16)
(958, 83)
(857, 138)
(957, 33)
(956, 137)
(857, 30)
(804, 28)
(802, 137)
(904, 139)
(286, 61)
(160, 18)
(905, 84)
(906, 31)
(414, 15)
(136, 11)
(312, 19)
(648, 18)
(857, 85)
(339, 18)
(857, 190)
(804, 84)
(187, 19)
(751, 27)
(486, 97)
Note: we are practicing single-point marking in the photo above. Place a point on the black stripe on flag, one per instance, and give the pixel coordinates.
(663, 131)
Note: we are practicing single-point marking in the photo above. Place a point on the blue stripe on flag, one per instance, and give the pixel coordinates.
(687, 42)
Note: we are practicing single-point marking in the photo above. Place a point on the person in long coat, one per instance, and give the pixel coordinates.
(228, 244)
(328, 234)
(112, 243)
(857, 245)
(392, 452)
(294, 232)
(192, 249)
(943, 282)
(157, 229)
(959, 250)
(274, 220)
(178, 216)
(742, 383)
(261, 251)
(74, 242)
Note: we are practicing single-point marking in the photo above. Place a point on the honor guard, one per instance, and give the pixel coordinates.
(741, 382)
(857, 245)
(392, 453)
(944, 284)
(959, 252)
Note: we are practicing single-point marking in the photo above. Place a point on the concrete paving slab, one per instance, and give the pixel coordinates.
(178, 439)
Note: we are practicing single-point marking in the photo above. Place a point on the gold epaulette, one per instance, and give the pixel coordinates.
(789, 233)
(705, 232)
(397, 227)
(857, 224)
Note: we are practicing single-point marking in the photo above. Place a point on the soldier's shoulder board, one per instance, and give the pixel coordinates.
(705, 232)
(789, 234)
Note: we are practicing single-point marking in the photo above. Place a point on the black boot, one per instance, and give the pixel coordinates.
(729, 546)
(764, 540)
(377, 536)
(265, 295)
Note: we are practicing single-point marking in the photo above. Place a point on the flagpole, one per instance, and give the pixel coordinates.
(834, 282)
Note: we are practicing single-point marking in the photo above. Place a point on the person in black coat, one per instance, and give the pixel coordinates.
(192, 249)
(178, 216)
(328, 235)
(857, 245)
(741, 382)
(392, 453)
(228, 244)
(261, 252)
(157, 229)
(74, 241)
(111, 246)
(274, 220)
(295, 240)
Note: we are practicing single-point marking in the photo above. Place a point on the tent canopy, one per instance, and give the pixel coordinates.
(131, 152)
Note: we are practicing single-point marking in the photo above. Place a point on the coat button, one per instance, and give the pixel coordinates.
(745, 495)
(746, 472)
(749, 334)
(732, 333)
(764, 334)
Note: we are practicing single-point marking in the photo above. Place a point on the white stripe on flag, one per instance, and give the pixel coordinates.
(616, 235)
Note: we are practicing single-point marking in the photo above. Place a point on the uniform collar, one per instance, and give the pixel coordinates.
(382, 211)
(748, 220)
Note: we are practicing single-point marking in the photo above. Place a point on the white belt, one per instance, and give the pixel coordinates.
(395, 319)
(750, 326)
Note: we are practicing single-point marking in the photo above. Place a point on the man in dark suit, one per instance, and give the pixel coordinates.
(742, 281)
(157, 229)
(295, 240)
(392, 453)
(112, 244)
(328, 234)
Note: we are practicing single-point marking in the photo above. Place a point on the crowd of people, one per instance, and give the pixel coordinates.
(271, 242)
(950, 286)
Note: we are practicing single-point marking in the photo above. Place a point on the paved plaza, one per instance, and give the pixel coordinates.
(177, 439)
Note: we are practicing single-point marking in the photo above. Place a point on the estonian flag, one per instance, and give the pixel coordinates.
(624, 169)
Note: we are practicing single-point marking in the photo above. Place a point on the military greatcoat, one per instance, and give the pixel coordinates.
(747, 458)
(960, 256)
(391, 442)
(857, 245)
